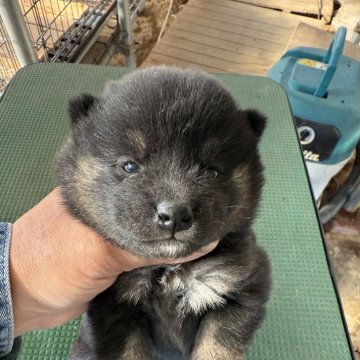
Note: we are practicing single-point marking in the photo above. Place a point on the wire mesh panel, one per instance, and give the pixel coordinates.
(9, 63)
(60, 30)
(57, 26)
(48, 20)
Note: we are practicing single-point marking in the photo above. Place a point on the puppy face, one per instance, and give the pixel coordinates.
(163, 163)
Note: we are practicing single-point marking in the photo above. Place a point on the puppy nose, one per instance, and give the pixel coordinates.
(174, 217)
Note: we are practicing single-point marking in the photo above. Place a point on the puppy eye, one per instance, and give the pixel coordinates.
(130, 167)
(211, 172)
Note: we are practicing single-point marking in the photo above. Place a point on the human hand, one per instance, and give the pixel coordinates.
(58, 264)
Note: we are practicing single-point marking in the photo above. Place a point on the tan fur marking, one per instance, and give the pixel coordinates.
(210, 145)
(242, 174)
(134, 348)
(207, 347)
(137, 138)
(242, 178)
(88, 170)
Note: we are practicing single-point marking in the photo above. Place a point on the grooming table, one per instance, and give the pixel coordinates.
(304, 319)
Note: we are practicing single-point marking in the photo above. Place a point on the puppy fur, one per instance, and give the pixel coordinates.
(165, 138)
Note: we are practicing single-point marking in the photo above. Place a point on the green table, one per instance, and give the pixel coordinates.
(304, 319)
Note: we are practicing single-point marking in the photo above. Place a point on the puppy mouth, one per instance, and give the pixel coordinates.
(175, 239)
(172, 238)
(175, 244)
(173, 248)
(189, 244)
(183, 238)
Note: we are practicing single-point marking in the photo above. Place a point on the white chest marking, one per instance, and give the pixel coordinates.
(201, 289)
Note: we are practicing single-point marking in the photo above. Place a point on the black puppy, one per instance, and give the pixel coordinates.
(161, 165)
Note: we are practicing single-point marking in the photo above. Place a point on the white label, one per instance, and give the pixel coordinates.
(313, 64)
(309, 155)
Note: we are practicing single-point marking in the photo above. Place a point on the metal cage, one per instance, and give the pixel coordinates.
(59, 27)
(62, 30)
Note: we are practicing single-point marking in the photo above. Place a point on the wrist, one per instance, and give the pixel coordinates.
(20, 280)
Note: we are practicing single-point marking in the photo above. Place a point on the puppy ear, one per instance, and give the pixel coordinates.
(80, 106)
(257, 122)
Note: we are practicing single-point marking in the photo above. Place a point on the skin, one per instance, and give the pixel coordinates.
(58, 264)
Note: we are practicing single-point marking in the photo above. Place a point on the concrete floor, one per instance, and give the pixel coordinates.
(343, 240)
(348, 15)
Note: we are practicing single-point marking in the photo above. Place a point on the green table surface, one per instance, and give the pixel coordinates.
(304, 319)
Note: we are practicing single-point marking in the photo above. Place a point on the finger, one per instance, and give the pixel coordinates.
(123, 260)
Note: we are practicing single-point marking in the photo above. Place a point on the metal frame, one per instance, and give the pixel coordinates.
(60, 29)
(126, 12)
(126, 36)
(51, 30)
(17, 31)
